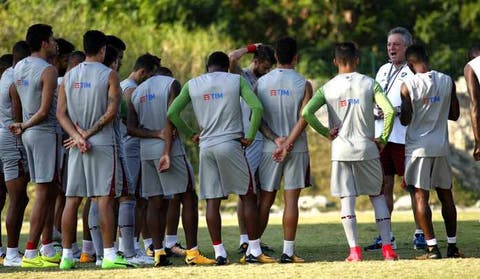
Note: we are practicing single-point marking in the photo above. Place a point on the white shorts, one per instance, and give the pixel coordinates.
(354, 178)
(428, 172)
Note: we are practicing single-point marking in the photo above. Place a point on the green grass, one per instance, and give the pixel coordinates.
(320, 240)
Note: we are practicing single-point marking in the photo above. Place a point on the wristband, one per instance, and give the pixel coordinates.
(251, 48)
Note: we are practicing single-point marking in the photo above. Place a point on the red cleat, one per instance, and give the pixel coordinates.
(388, 253)
(355, 254)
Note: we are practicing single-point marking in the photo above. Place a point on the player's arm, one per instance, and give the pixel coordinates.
(124, 104)
(255, 106)
(133, 128)
(164, 163)
(473, 88)
(176, 108)
(112, 107)
(308, 113)
(406, 107)
(16, 103)
(388, 112)
(235, 56)
(454, 112)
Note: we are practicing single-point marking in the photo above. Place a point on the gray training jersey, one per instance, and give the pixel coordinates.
(281, 92)
(124, 85)
(350, 102)
(86, 88)
(5, 102)
(427, 133)
(216, 101)
(150, 100)
(27, 74)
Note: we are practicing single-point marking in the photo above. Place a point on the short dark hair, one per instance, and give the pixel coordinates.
(265, 53)
(147, 62)
(219, 59)
(111, 55)
(76, 56)
(346, 52)
(20, 50)
(36, 34)
(64, 46)
(6, 60)
(416, 53)
(116, 42)
(286, 49)
(93, 42)
(164, 71)
(474, 50)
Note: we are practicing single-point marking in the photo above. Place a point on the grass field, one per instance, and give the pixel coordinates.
(320, 240)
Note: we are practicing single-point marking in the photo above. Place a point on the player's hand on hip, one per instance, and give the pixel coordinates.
(333, 133)
(196, 138)
(380, 144)
(164, 163)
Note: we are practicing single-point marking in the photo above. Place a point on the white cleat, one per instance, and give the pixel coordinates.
(15, 261)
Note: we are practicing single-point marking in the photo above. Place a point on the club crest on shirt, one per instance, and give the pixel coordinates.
(212, 96)
(279, 92)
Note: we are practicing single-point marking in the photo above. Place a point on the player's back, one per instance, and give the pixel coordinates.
(86, 88)
(427, 133)
(5, 100)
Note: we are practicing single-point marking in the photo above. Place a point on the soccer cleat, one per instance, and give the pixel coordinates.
(15, 261)
(2, 258)
(419, 242)
(87, 258)
(243, 248)
(453, 252)
(376, 245)
(37, 262)
(176, 251)
(431, 253)
(266, 248)
(149, 251)
(355, 254)
(262, 258)
(293, 259)
(119, 262)
(388, 253)
(140, 260)
(99, 261)
(67, 264)
(161, 259)
(193, 257)
(221, 261)
(243, 259)
(53, 259)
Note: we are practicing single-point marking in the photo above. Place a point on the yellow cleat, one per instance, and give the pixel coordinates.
(37, 262)
(193, 257)
(262, 258)
(53, 259)
(293, 259)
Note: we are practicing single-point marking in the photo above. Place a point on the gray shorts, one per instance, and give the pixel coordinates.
(92, 174)
(132, 164)
(13, 160)
(295, 169)
(224, 170)
(42, 149)
(354, 178)
(254, 155)
(171, 182)
(428, 172)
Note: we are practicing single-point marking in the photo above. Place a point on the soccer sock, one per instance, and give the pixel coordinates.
(219, 250)
(382, 217)
(289, 247)
(30, 250)
(94, 225)
(75, 248)
(110, 254)
(254, 247)
(87, 247)
(147, 242)
(170, 240)
(450, 240)
(67, 254)
(126, 223)
(432, 242)
(243, 239)
(417, 231)
(121, 245)
(12, 252)
(2, 251)
(136, 244)
(349, 220)
(48, 250)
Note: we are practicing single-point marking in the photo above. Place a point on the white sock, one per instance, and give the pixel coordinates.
(220, 250)
(67, 254)
(12, 252)
(121, 247)
(432, 242)
(289, 247)
(48, 249)
(349, 220)
(110, 253)
(243, 238)
(254, 247)
(136, 245)
(31, 253)
(147, 242)
(75, 248)
(450, 240)
(87, 247)
(170, 240)
(418, 231)
(382, 218)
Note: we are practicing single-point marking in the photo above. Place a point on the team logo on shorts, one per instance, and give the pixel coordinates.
(431, 100)
(212, 96)
(82, 84)
(22, 82)
(279, 92)
(147, 98)
(346, 102)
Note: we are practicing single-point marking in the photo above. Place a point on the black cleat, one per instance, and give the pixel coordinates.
(243, 248)
(266, 248)
(293, 259)
(161, 259)
(431, 253)
(221, 260)
(175, 251)
(453, 252)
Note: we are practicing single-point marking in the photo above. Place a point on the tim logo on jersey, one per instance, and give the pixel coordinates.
(279, 92)
(147, 98)
(81, 85)
(22, 82)
(212, 96)
(431, 100)
(346, 102)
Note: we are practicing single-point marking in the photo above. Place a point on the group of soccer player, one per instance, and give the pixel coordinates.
(69, 125)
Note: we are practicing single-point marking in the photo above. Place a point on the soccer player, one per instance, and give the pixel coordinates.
(36, 82)
(262, 61)
(6, 61)
(215, 97)
(472, 77)
(12, 157)
(429, 100)
(283, 93)
(89, 97)
(119, 45)
(350, 98)
(390, 77)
